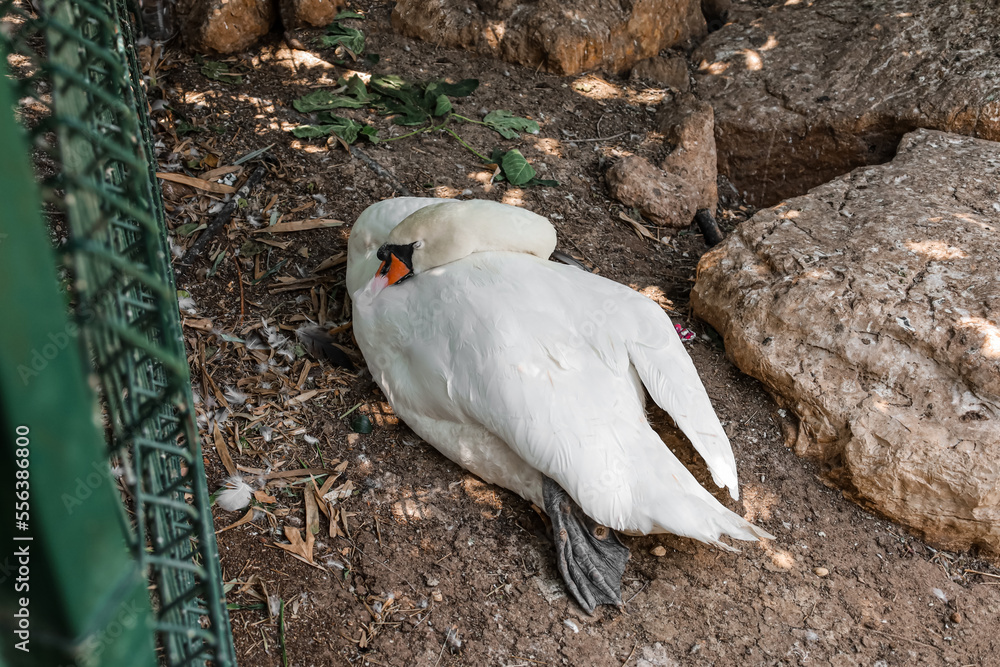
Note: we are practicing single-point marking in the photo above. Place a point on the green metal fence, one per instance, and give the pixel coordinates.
(76, 87)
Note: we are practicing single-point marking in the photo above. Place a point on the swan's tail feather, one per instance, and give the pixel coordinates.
(672, 381)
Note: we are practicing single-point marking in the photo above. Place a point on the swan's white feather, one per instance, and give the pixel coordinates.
(515, 367)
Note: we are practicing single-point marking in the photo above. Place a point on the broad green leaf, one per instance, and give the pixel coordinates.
(186, 230)
(390, 84)
(324, 99)
(362, 424)
(442, 105)
(508, 125)
(545, 182)
(345, 128)
(356, 88)
(347, 14)
(516, 168)
(220, 72)
(310, 131)
(463, 88)
(340, 35)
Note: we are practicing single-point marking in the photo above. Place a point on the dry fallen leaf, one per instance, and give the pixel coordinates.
(342, 491)
(239, 522)
(299, 226)
(197, 183)
(302, 550)
(203, 324)
(263, 497)
(223, 449)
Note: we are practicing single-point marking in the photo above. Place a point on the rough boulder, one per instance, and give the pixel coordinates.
(558, 36)
(806, 91)
(870, 308)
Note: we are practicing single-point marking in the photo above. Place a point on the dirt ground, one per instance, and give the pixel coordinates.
(433, 567)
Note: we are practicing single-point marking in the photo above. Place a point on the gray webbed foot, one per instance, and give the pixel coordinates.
(589, 556)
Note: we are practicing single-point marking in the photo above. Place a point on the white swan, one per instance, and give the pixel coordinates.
(530, 374)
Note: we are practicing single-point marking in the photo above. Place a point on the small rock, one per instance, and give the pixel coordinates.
(432, 581)
(688, 125)
(821, 571)
(669, 72)
(667, 200)
(658, 551)
(296, 13)
(956, 617)
(436, 596)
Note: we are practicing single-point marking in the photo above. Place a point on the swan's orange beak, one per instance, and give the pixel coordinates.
(393, 269)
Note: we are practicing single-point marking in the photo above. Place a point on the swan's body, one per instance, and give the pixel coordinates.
(518, 368)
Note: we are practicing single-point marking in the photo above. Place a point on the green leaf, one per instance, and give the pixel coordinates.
(340, 35)
(463, 88)
(345, 128)
(356, 88)
(347, 14)
(516, 168)
(543, 182)
(220, 72)
(326, 99)
(442, 105)
(186, 230)
(392, 85)
(508, 125)
(310, 131)
(362, 424)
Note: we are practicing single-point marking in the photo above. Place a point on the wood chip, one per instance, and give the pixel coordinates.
(299, 226)
(196, 183)
(223, 449)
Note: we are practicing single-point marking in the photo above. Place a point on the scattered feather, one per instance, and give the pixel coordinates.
(320, 345)
(235, 495)
(234, 396)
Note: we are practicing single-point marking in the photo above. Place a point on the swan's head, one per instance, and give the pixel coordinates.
(443, 233)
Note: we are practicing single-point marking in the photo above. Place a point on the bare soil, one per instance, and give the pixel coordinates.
(437, 568)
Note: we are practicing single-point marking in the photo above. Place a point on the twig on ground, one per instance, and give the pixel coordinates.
(221, 219)
(381, 171)
(631, 653)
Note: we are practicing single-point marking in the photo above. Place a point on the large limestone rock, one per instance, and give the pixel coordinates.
(806, 91)
(870, 308)
(225, 26)
(561, 36)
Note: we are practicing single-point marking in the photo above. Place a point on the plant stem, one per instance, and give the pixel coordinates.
(470, 120)
(467, 146)
(281, 635)
(418, 131)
